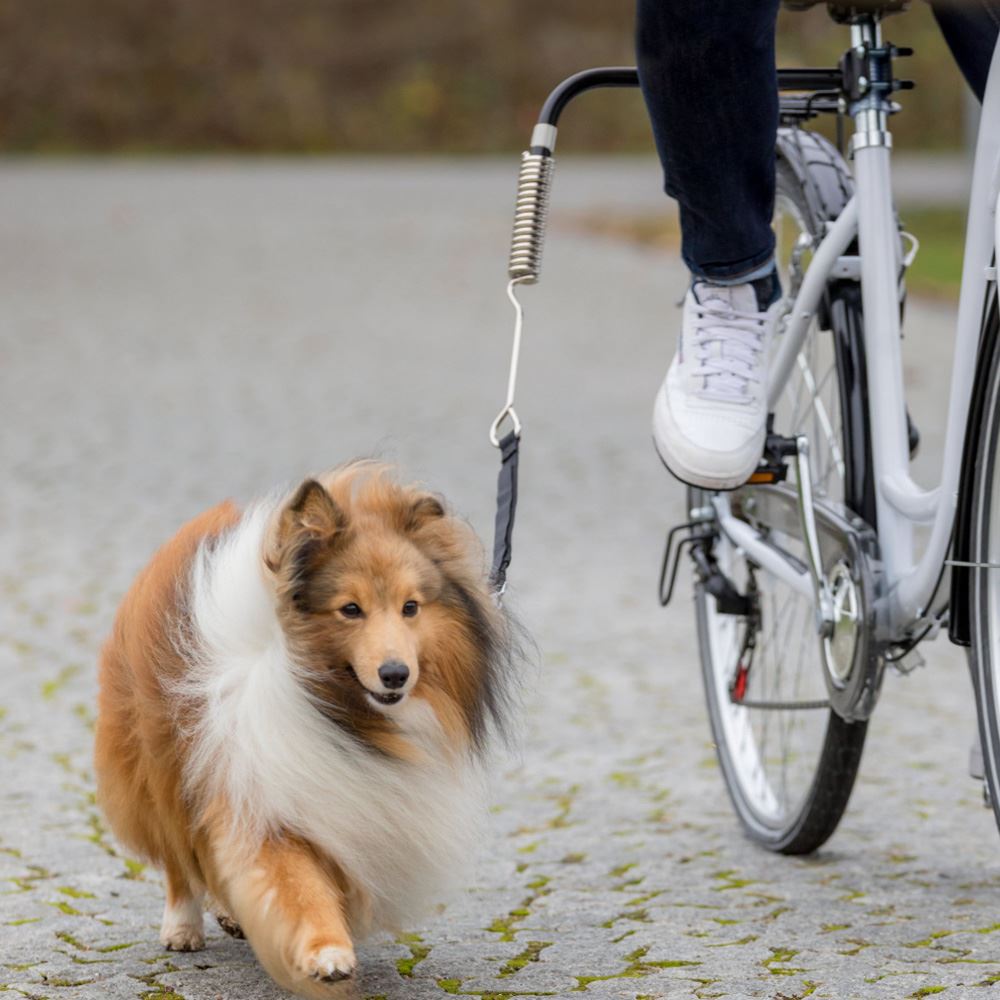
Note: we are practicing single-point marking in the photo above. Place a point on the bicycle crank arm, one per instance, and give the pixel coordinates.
(807, 516)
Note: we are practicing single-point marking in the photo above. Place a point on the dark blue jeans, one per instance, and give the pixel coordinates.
(707, 69)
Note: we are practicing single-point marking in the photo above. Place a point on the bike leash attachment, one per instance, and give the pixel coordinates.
(534, 185)
(523, 268)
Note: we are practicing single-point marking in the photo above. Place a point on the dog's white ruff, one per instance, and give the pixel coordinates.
(404, 833)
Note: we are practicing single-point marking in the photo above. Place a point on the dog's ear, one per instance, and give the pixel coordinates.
(312, 511)
(309, 522)
(423, 509)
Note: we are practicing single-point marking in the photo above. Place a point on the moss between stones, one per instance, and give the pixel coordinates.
(68, 890)
(619, 870)
(810, 989)
(779, 955)
(639, 900)
(776, 963)
(71, 940)
(531, 953)
(98, 834)
(418, 952)
(51, 688)
(36, 873)
(625, 779)
(105, 949)
(454, 987)
(133, 868)
(506, 926)
(729, 880)
(748, 939)
(859, 945)
(158, 991)
(849, 897)
(636, 968)
(639, 915)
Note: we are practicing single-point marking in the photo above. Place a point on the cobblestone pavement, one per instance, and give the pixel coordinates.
(173, 333)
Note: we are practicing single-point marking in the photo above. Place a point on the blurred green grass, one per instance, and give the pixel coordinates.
(937, 269)
(320, 76)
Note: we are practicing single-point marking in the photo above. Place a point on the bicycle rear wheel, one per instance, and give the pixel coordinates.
(789, 762)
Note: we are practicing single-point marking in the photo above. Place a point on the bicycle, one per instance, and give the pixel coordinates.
(807, 583)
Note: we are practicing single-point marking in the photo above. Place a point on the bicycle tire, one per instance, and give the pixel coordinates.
(806, 826)
(984, 649)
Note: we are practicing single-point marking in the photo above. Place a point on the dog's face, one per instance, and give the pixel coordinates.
(359, 591)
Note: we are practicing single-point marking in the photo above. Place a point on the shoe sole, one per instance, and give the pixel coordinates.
(705, 483)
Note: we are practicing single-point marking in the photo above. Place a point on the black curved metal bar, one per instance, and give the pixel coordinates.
(588, 79)
(628, 76)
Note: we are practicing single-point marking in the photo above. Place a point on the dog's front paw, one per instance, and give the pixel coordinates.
(182, 937)
(330, 964)
(182, 927)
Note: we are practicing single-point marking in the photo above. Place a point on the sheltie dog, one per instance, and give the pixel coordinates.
(295, 705)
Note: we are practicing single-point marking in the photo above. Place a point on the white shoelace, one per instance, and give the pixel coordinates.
(734, 362)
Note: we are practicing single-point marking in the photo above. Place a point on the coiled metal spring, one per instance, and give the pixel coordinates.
(533, 186)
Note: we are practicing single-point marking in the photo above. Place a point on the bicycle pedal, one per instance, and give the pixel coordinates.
(767, 474)
(773, 468)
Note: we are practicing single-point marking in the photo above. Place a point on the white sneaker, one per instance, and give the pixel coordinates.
(710, 417)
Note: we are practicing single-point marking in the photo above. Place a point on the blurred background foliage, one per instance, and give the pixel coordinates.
(365, 76)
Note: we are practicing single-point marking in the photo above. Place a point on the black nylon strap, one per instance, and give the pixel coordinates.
(503, 530)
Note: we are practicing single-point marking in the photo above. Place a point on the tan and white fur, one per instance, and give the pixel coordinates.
(249, 744)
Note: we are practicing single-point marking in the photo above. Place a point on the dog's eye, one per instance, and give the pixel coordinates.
(410, 608)
(351, 610)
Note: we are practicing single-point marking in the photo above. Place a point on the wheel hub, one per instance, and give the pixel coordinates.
(839, 646)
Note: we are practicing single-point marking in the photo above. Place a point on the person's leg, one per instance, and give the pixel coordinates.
(707, 69)
(708, 75)
(970, 28)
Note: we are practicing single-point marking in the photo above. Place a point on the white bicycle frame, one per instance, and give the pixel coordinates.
(909, 583)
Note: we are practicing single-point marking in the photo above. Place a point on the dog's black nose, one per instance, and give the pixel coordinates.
(393, 673)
